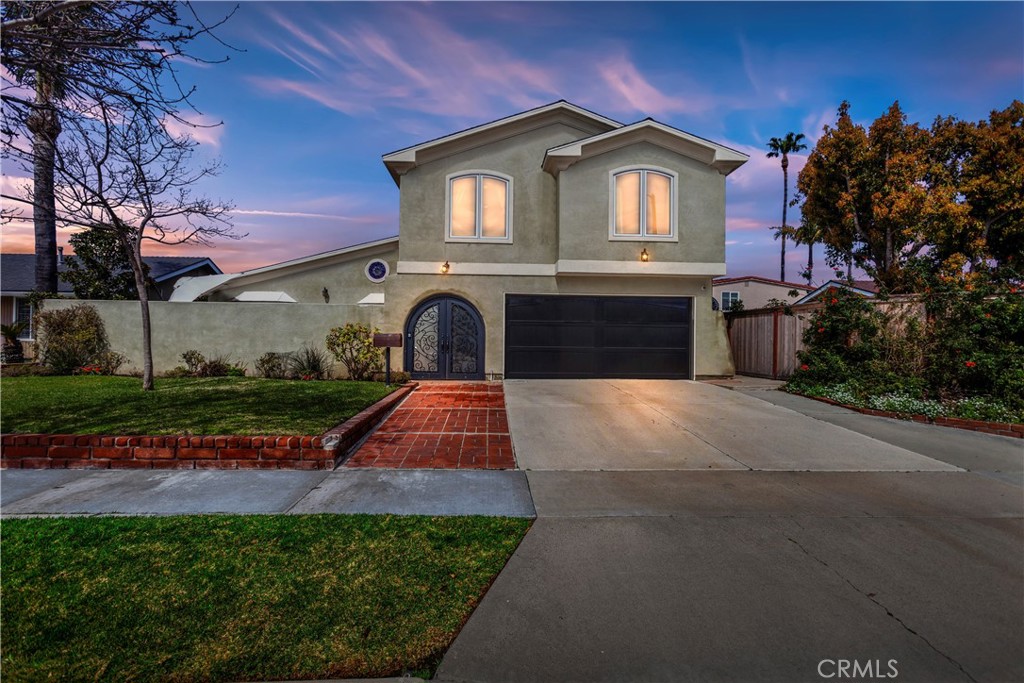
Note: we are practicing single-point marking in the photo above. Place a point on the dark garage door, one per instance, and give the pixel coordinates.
(550, 336)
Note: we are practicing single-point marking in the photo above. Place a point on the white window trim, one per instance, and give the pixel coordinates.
(726, 292)
(30, 330)
(673, 177)
(479, 238)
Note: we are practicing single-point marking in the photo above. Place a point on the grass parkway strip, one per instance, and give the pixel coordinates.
(229, 598)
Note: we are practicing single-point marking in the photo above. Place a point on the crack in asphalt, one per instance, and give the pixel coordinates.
(888, 612)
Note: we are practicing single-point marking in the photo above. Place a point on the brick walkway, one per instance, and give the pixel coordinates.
(443, 425)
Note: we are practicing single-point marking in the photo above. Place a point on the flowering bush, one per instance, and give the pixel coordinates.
(958, 350)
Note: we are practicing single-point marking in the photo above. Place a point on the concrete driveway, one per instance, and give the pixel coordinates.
(732, 539)
(612, 425)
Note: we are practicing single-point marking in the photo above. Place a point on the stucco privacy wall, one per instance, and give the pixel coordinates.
(713, 356)
(585, 197)
(241, 331)
(756, 294)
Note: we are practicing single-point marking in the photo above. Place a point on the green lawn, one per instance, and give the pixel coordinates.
(241, 598)
(222, 405)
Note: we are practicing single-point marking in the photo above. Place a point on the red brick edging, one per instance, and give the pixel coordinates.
(77, 451)
(999, 428)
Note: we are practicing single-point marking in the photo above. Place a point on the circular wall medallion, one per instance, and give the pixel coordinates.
(377, 270)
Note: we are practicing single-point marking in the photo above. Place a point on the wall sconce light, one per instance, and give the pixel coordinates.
(326, 295)
(644, 256)
(445, 267)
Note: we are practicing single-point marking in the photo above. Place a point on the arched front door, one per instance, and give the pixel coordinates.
(444, 339)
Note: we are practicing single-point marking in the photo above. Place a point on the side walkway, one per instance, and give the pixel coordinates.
(443, 425)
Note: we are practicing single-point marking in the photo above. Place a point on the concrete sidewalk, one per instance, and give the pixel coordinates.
(348, 491)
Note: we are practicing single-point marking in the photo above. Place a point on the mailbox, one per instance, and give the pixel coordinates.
(388, 340)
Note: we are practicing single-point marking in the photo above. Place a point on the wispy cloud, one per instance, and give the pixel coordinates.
(622, 77)
(204, 129)
(304, 214)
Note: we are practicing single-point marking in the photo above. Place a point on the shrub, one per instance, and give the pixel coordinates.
(68, 338)
(273, 365)
(218, 366)
(310, 362)
(26, 370)
(397, 377)
(352, 345)
(109, 362)
(180, 371)
(194, 361)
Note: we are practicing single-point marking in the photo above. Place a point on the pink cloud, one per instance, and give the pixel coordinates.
(626, 81)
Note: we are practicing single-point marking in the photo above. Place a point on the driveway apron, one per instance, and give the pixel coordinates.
(679, 566)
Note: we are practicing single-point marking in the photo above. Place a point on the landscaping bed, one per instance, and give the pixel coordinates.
(231, 598)
(963, 414)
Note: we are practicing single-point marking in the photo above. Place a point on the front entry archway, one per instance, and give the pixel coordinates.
(444, 339)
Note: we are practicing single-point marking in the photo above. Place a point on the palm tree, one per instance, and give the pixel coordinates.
(784, 147)
(810, 235)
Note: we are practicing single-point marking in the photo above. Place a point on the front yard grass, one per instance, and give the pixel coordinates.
(222, 405)
(220, 598)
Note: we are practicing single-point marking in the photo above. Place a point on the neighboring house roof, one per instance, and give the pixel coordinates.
(191, 288)
(758, 278)
(720, 157)
(865, 288)
(401, 161)
(18, 271)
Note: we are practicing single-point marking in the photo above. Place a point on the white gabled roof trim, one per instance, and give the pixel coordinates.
(317, 257)
(811, 296)
(720, 157)
(266, 297)
(191, 288)
(401, 161)
(373, 299)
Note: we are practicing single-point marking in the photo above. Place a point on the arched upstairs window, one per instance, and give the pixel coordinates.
(479, 207)
(643, 204)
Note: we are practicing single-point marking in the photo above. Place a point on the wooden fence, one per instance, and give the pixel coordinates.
(765, 341)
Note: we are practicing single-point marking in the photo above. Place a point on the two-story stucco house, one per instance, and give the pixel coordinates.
(552, 243)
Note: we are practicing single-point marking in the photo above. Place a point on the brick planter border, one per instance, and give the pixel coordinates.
(998, 428)
(77, 451)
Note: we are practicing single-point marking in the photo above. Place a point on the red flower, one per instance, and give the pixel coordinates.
(805, 367)
(970, 363)
(821, 329)
(988, 315)
(835, 301)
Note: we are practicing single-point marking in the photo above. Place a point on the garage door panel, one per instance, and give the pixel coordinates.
(654, 336)
(551, 334)
(574, 336)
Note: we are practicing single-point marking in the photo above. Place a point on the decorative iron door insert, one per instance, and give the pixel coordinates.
(445, 340)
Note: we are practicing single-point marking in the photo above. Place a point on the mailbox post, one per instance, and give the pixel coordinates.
(388, 342)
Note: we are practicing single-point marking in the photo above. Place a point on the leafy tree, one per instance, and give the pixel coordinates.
(100, 268)
(898, 194)
(352, 345)
(62, 56)
(783, 147)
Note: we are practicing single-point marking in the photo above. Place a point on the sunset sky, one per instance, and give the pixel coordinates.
(319, 91)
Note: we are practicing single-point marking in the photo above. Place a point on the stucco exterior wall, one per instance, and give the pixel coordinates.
(534, 201)
(584, 203)
(756, 294)
(241, 331)
(346, 280)
(712, 356)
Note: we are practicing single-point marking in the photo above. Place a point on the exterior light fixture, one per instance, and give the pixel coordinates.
(644, 256)
(326, 295)
(445, 267)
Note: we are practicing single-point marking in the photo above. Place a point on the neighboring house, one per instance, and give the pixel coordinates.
(18, 277)
(865, 288)
(552, 243)
(754, 291)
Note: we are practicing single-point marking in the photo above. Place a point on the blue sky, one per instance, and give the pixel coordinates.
(323, 89)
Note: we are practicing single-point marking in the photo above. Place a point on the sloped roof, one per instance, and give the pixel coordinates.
(402, 160)
(18, 271)
(864, 291)
(758, 278)
(724, 159)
